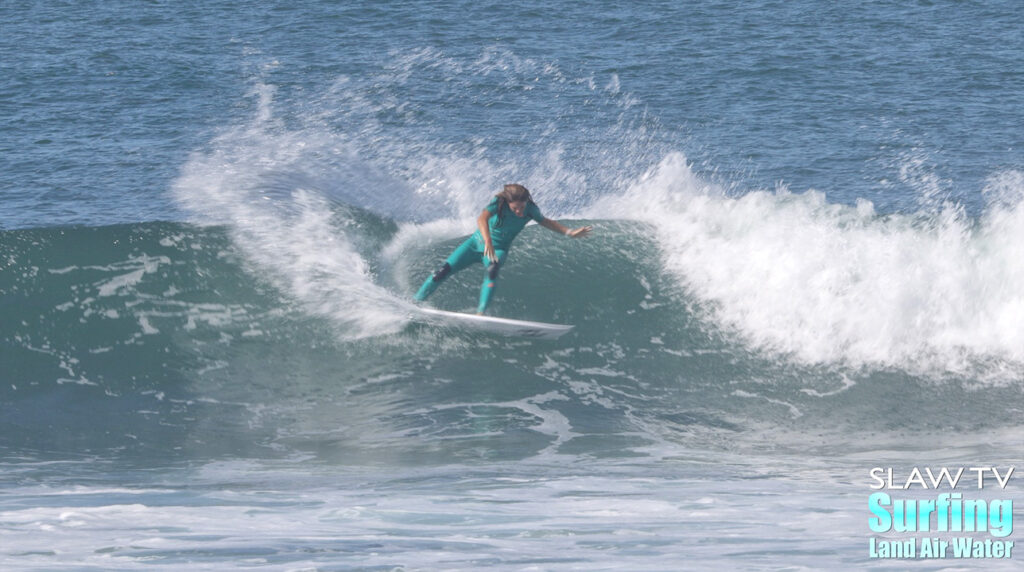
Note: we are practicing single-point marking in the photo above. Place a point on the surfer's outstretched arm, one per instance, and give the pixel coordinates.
(558, 227)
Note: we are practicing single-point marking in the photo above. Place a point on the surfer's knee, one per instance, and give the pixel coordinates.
(492, 271)
(442, 272)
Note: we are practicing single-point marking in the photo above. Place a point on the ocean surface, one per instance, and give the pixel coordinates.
(807, 261)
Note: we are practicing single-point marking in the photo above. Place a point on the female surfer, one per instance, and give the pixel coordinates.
(499, 223)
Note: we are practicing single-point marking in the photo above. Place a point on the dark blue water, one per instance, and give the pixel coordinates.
(103, 103)
(805, 264)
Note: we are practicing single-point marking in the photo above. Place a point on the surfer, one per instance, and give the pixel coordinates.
(498, 224)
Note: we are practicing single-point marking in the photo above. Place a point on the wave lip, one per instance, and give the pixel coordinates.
(821, 282)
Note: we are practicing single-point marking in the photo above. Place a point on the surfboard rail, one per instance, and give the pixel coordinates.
(491, 324)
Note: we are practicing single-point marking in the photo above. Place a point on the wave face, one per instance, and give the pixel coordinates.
(174, 339)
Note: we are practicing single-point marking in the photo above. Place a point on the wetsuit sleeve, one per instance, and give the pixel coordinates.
(492, 207)
(534, 212)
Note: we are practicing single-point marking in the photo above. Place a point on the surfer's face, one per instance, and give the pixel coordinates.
(518, 207)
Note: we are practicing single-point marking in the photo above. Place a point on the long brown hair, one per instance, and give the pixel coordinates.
(511, 193)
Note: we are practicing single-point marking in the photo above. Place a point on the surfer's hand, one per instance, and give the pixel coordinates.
(578, 232)
(489, 252)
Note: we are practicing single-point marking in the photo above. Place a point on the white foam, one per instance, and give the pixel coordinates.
(123, 282)
(516, 516)
(550, 421)
(831, 283)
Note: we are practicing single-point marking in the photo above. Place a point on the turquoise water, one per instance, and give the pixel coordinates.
(804, 265)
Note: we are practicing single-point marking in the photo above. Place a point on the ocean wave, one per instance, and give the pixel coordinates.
(168, 336)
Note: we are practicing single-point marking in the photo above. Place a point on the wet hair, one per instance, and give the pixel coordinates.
(511, 193)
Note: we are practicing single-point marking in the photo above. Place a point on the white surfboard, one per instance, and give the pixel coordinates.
(503, 326)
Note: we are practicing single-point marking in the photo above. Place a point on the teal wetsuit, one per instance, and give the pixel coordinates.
(504, 227)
